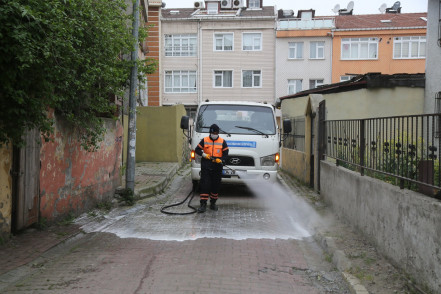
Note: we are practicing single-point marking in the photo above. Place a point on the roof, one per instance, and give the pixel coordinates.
(380, 21)
(192, 13)
(369, 80)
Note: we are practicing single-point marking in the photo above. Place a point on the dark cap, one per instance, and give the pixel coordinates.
(214, 128)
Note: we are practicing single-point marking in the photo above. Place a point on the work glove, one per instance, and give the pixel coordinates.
(206, 156)
(218, 160)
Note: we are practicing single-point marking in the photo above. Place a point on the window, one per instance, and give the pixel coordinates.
(180, 45)
(294, 86)
(359, 48)
(251, 78)
(409, 47)
(253, 3)
(317, 50)
(252, 41)
(295, 50)
(223, 79)
(223, 42)
(212, 7)
(346, 78)
(315, 83)
(180, 81)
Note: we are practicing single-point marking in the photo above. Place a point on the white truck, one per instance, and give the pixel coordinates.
(252, 135)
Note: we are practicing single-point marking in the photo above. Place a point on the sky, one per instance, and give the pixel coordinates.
(324, 7)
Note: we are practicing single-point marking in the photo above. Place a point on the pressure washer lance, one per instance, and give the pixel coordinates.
(194, 210)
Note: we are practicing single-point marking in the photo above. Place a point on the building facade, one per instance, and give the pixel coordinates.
(432, 102)
(303, 51)
(387, 43)
(218, 51)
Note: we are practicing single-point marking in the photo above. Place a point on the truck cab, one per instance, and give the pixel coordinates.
(251, 132)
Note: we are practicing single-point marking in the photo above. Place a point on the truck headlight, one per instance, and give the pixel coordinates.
(269, 160)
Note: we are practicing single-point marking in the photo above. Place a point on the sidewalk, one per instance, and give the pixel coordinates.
(150, 179)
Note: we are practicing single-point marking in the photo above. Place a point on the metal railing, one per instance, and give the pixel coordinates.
(296, 139)
(402, 150)
(305, 24)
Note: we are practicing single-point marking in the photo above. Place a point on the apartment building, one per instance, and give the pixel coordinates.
(315, 50)
(387, 43)
(150, 93)
(218, 50)
(303, 51)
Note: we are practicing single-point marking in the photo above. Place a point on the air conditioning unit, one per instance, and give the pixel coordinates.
(238, 3)
(226, 4)
(198, 4)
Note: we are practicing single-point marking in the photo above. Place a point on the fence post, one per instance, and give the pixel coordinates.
(362, 145)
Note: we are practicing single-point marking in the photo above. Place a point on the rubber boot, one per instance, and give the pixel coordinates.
(213, 205)
(203, 206)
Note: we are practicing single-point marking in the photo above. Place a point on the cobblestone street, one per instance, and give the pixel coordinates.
(248, 246)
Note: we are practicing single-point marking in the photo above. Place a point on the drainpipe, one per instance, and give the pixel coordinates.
(131, 148)
(200, 62)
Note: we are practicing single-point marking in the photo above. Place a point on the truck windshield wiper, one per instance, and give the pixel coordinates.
(220, 131)
(252, 129)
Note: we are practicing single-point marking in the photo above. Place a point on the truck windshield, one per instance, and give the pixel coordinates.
(236, 119)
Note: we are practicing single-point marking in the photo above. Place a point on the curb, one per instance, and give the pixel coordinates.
(339, 258)
(146, 192)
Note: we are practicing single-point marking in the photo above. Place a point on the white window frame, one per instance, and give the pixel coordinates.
(294, 48)
(221, 72)
(212, 8)
(316, 83)
(346, 78)
(255, 73)
(420, 42)
(222, 36)
(175, 48)
(183, 86)
(294, 85)
(253, 41)
(252, 4)
(318, 45)
(355, 47)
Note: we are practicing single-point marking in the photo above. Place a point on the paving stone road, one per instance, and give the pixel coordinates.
(260, 241)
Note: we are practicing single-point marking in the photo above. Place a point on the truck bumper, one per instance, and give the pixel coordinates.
(240, 175)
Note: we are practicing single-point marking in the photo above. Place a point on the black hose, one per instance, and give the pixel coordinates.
(180, 203)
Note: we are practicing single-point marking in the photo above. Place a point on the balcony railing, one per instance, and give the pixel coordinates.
(306, 24)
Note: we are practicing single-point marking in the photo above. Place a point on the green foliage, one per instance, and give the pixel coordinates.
(127, 196)
(65, 55)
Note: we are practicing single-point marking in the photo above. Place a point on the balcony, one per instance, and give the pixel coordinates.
(306, 24)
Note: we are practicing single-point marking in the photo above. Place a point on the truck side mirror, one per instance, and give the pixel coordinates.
(185, 122)
(287, 126)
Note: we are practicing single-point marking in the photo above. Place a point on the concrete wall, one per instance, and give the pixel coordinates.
(159, 136)
(405, 225)
(433, 59)
(363, 103)
(297, 164)
(74, 180)
(5, 191)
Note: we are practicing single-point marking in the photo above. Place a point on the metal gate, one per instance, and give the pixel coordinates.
(26, 180)
(321, 138)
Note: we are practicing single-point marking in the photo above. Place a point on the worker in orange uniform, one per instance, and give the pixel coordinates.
(214, 151)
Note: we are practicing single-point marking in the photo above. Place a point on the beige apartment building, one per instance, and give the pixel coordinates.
(218, 50)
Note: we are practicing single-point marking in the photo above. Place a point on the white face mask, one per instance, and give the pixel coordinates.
(214, 137)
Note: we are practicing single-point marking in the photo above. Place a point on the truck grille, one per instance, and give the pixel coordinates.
(240, 160)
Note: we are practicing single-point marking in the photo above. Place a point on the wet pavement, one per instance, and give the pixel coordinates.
(260, 241)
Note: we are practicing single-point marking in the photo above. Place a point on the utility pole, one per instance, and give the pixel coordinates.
(131, 148)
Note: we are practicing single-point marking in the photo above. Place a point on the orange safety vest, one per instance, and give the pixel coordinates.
(214, 149)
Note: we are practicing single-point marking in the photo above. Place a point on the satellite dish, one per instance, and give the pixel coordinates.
(350, 6)
(382, 8)
(336, 8)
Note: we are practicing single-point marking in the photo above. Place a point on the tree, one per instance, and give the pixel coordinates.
(65, 55)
